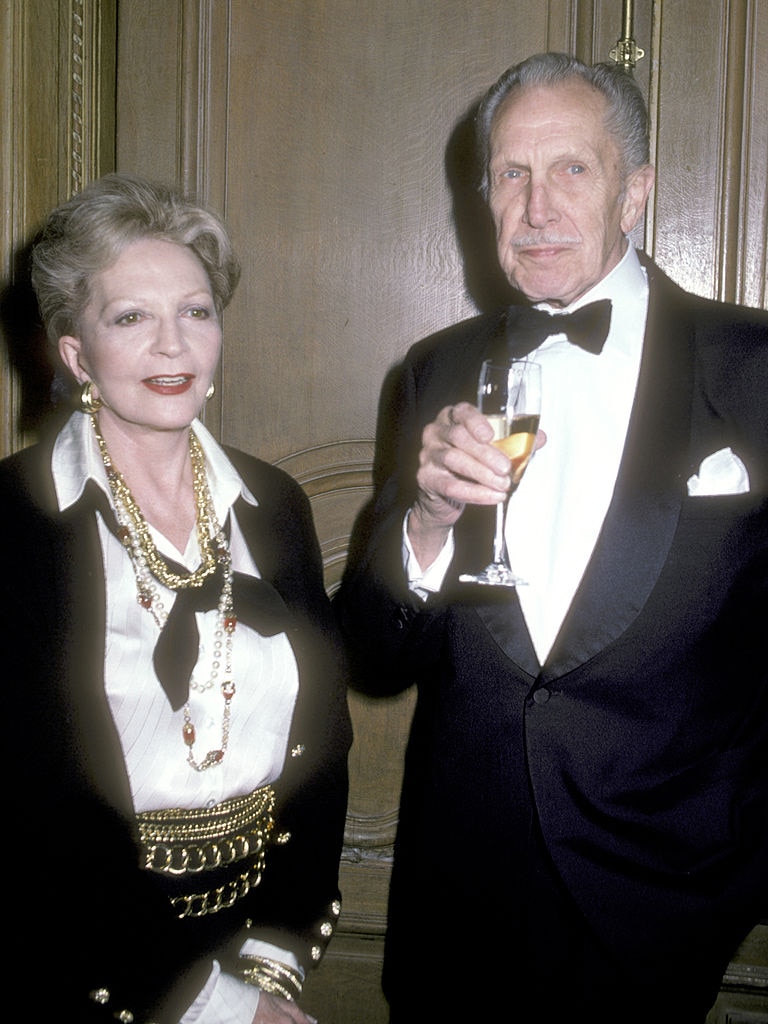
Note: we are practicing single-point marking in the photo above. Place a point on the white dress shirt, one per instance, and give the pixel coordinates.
(557, 512)
(264, 671)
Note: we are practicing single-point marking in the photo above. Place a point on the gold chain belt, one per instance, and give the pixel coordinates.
(197, 904)
(178, 842)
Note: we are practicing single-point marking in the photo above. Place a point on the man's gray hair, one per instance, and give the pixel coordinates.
(626, 115)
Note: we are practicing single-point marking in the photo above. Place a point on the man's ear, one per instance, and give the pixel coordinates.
(636, 192)
(69, 350)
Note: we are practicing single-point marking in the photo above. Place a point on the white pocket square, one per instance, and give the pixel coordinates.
(720, 473)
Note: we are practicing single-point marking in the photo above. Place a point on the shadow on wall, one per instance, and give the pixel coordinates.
(486, 284)
(44, 390)
(484, 279)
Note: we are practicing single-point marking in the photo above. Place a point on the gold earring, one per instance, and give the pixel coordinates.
(211, 391)
(89, 403)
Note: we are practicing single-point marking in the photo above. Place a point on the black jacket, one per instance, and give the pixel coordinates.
(638, 750)
(79, 912)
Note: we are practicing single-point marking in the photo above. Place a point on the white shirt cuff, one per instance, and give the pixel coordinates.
(424, 582)
(227, 1000)
(223, 1000)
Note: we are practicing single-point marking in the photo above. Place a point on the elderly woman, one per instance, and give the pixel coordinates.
(177, 723)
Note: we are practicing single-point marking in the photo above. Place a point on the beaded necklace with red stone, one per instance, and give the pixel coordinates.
(149, 567)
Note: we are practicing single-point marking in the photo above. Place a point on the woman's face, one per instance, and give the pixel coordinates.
(149, 337)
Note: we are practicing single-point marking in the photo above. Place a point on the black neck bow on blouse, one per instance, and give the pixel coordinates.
(256, 603)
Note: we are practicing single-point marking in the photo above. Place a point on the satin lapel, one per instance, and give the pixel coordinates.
(497, 607)
(452, 377)
(642, 517)
(506, 624)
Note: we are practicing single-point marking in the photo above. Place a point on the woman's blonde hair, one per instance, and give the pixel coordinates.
(87, 234)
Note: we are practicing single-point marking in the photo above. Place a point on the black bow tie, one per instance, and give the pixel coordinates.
(256, 604)
(586, 327)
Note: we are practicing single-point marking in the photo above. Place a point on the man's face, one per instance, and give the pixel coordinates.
(557, 197)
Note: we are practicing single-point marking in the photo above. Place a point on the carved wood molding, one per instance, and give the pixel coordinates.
(330, 466)
(338, 478)
(58, 129)
(742, 259)
(737, 148)
(89, 59)
(196, 22)
(370, 834)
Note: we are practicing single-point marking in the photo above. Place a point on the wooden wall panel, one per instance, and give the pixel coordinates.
(711, 148)
(150, 111)
(32, 177)
(57, 131)
(337, 193)
(333, 137)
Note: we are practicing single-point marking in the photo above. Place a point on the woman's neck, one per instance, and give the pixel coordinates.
(157, 468)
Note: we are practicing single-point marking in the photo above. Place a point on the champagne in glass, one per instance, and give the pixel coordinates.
(509, 395)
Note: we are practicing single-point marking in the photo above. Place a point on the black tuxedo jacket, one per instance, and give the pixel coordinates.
(79, 912)
(639, 751)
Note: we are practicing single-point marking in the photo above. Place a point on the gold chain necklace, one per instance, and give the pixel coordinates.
(156, 564)
(150, 566)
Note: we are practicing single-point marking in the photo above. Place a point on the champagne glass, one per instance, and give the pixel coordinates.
(509, 395)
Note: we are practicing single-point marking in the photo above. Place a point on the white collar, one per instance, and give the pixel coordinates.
(627, 288)
(623, 280)
(76, 459)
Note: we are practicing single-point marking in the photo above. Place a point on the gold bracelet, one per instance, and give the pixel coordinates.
(271, 976)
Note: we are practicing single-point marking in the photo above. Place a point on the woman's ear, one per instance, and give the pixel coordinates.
(69, 350)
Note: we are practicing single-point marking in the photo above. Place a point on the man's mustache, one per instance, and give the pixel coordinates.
(530, 241)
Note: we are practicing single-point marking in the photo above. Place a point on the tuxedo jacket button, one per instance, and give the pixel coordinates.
(541, 696)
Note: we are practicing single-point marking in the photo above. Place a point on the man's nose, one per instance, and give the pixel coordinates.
(539, 208)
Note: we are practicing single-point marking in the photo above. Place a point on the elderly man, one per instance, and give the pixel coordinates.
(584, 816)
